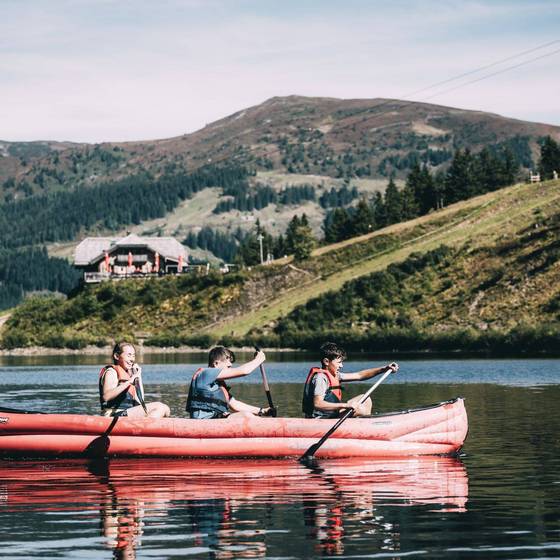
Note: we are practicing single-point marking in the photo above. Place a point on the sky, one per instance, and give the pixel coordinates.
(119, 70)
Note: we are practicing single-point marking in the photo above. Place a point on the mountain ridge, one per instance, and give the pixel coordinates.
(282, 114)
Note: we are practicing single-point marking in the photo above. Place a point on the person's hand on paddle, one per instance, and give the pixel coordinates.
(345, 407)
(260, 357)
(268, 411)
(393, 366)
(136, 371)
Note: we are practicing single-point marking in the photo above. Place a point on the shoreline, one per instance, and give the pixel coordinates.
(141, 349)
(38, 351)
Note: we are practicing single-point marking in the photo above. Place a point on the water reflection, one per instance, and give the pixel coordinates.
(226, 509)
(122, 523)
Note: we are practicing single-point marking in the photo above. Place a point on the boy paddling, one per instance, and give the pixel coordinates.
(322, 394)
(209, 396)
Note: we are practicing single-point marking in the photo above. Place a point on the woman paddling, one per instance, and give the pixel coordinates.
(121, 392)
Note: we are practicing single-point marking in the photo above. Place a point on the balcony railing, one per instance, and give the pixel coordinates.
(96, 277)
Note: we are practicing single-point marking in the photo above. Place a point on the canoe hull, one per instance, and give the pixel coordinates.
(437, 430)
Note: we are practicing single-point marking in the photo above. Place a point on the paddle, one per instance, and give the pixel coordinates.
(267, 388)
(308, 455)
(20, 411)
(139, 390)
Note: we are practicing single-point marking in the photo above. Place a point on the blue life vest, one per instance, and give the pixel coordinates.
(208, 397)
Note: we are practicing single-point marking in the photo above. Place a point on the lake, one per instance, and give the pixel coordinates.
(500, 499)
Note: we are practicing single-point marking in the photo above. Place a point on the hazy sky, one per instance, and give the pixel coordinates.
(110, 70)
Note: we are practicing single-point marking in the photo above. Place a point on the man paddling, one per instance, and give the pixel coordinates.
(209, 396)
(322, 393)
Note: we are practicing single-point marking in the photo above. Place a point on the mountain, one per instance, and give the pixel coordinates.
(294, 141)
(314, 136)
(480, 274)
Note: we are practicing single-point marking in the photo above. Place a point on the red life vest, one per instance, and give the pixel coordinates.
(333, 394)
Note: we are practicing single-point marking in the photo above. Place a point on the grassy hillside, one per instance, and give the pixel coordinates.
(496, 279)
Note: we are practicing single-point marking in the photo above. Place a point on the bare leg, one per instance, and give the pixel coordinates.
(155, 410)
(363, 409)
(158, 410)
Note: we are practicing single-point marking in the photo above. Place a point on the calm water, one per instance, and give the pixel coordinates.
(501, 499)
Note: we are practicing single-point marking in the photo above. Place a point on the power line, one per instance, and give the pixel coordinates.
(494, 73)
(406, 103)
(470, 72)
(481, 68)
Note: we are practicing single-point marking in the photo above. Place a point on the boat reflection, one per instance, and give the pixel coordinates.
(211, 501)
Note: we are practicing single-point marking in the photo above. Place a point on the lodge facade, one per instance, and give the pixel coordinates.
(107, 258)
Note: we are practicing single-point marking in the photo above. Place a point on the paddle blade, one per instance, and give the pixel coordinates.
(308, 456)
(308, 461)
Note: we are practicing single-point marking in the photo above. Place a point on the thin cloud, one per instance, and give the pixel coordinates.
(95, 71)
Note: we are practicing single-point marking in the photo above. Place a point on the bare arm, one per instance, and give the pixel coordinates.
(321, 404)
(239, 406)
(243, 370)
(369, 373)
(319, 393)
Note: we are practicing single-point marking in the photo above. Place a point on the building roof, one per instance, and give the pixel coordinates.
(92, 249)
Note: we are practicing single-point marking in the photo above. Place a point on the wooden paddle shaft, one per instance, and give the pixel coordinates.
(265, 380)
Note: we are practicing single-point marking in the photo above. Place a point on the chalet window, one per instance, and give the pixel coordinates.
(135, 258)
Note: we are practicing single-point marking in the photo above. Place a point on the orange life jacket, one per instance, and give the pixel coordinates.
(127, 399)
(333, 394)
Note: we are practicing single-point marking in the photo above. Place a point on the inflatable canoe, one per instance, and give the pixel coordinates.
(438, 429)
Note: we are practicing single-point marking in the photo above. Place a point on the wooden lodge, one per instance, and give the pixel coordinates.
(108, 258)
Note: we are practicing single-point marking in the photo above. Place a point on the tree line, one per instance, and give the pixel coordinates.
(61, 216)
(245, 199)
(26, 224)
(298, 241)
(224, 245)
(31, 269)
(468, 175)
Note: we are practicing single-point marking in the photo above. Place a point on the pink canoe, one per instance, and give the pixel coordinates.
(439, 429)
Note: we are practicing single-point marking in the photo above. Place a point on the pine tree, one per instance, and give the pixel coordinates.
(550, 158)
(379, 210)
(291, 233)
(303, 242)
(363, 220)
(459, 178)
(279, 249)
(393, 203)
(337, 225)
(299, 238)
(411, 193)
(510, 167)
